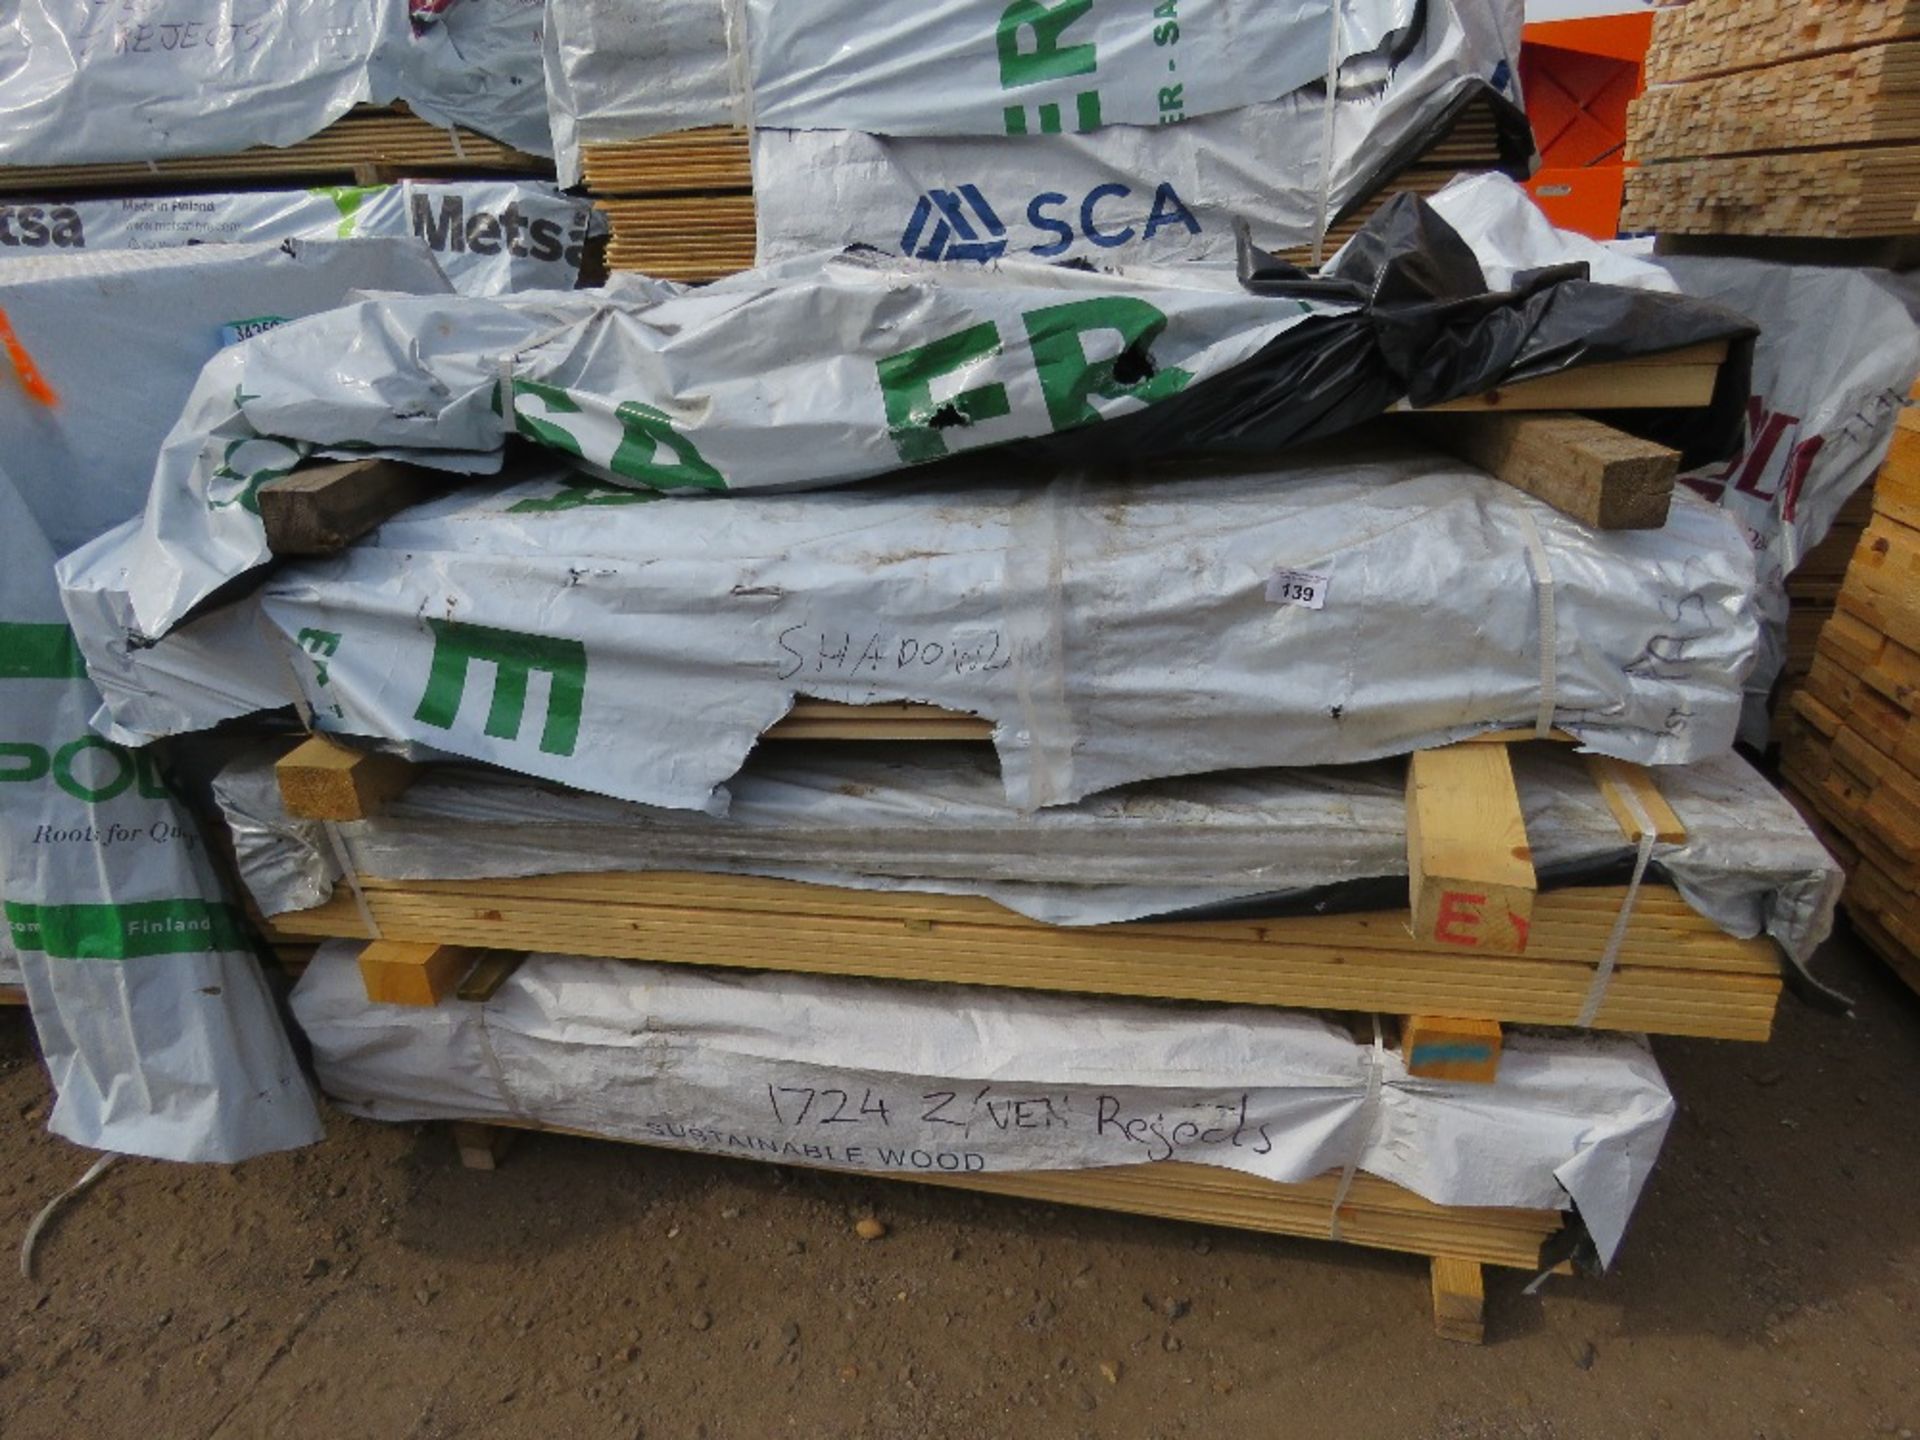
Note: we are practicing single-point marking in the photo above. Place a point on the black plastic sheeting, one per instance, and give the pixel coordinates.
(1429, 330)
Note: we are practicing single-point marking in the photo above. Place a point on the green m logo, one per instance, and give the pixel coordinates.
(514, 656)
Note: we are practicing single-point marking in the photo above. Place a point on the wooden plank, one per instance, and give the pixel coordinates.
(1616, 385)
(1375, 1214)
(1459, 1300)
(489, 973)
(1445, 1047)
(321, 779)
(1469, 869)
(482, 1147)
(411, 972)
(13, 995)
(1600, 476)
(322, 509)
(1678, 974)
(1618, 779)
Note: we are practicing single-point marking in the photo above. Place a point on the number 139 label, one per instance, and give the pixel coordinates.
(1297, 587)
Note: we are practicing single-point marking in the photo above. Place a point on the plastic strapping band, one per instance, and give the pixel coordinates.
(1542, 569)
(733, 15)
(1037, 637)
(342, 852)
(1323, 217)
(1369, 1115)
(496, 1069)
(507, 412)
(1603, 973)
(453, 138)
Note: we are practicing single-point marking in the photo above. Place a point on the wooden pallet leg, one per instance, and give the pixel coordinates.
(1470, 872)
(1459, 1300)
(413, 972)
(1439, 1047)
(482, 1147)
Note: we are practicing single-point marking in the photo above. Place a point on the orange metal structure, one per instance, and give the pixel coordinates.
(1578, 76)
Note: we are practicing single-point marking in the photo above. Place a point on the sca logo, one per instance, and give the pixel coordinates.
(485, 233)
(962, 224)
(35, 227)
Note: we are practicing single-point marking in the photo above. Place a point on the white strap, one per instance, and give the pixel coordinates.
(343, 854)
(1542, 569)
(59, 1202)
(1369, 1117)
(1603, 973)
(1036, 636)
(497, 1070)
(453, 136)
(1323, 216)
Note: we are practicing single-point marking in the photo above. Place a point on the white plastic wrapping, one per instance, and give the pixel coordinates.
(1113, 627)
(1838, 351)
(151, 1012)
(102, 81)
(490, 236)
(950, 67)
(879, 364)
(1132, 194)
(1266, 841)
(865, 1075)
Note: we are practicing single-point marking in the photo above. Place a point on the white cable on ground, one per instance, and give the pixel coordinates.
(53, 1207)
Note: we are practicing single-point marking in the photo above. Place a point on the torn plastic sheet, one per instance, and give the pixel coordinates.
(1134, 194)
(152, 1015)
(1838, 351)
(83, 82)
(1263, 842)
(1114, 626)
(950, 67)
(723, 1063)
(885, 363)
(490, 236)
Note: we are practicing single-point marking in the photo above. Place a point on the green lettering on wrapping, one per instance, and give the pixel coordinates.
(557, 401)
(347, 199)
(1048, 60)
(321, 646)
(580, 494)
(63, 774)
(39, 652)
(1069, 380)
(644, 434)
(20, 761)
(126, 932)
(514, 656)
(906, 385)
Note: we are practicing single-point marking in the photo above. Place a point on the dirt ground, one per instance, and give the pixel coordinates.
(370, 1287)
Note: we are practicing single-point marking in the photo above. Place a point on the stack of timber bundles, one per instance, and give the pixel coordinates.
(1252, 716)
(712, 142)
(1767, 119)
(1852, 752)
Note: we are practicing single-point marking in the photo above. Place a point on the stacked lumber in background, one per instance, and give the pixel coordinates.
(1776, 118)
(681, 206)
(1812, 591)
(368, 146)
(1851, 756)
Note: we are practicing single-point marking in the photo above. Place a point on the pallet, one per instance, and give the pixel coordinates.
(1456, 1241)
(368, 146)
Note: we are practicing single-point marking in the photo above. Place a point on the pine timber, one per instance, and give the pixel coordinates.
(1850, 750)
(1678, 379)
(1677, 972)
(321, 509)
(1715, 37)
(366, 146)
(408, 972)
(1830, 194)
(1459, 1301)
(1376, 1214)
(1854, 97)
(1616, 780)
(1600, 476)
(1469, 869)
(1446, 1047)
(321, 779)
(13, 994)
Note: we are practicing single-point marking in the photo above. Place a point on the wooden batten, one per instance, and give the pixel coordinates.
(321, 779)
(1469, 868)
(1600, 476)
(321, 509)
